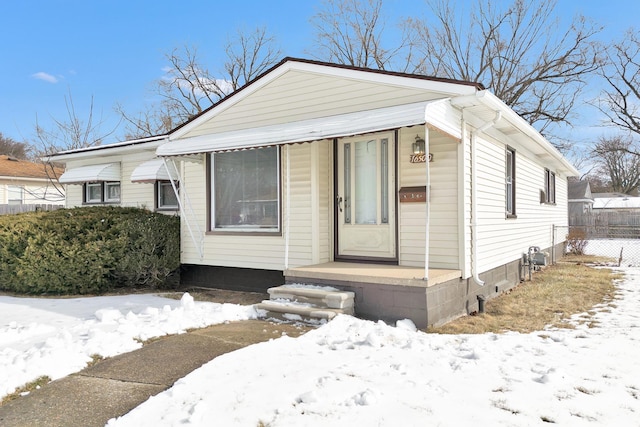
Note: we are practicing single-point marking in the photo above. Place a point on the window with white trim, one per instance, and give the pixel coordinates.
(165, 196)
(549, 186)
(245, 190)
(15, 195)
(102, 192)
(510, 182)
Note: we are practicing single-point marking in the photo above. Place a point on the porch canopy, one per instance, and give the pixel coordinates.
(91, 173)
(152, 171)
(433, 113)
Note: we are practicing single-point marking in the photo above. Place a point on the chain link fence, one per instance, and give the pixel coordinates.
(620, 243)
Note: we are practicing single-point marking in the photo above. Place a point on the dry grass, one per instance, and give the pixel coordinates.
(26, 389)
(553, 295)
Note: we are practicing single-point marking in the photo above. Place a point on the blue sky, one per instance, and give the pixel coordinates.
(114, 50)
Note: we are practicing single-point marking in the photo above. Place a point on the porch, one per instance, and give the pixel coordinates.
(351, 272)
(391, 292)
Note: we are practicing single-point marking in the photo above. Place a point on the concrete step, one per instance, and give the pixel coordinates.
(307, 311)
(321, 296)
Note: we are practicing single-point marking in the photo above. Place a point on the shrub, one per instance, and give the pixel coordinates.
(576, 241)
(88, 250)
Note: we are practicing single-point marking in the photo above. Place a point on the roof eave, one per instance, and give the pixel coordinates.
(493, 103)
(141, 144)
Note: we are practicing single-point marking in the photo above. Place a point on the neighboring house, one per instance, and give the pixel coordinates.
(124, 174)
(26, 183)
(580, 198)
(617, 203)
(419, 194)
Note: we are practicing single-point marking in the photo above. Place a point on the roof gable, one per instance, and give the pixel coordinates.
(298, 90)
(579, 190)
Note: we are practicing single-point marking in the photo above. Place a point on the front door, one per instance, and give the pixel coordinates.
(365, 197)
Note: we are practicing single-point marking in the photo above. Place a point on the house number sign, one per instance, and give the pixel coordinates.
(420, 158)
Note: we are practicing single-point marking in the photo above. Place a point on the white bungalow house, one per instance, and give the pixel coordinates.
(124, 174)
(416, 193)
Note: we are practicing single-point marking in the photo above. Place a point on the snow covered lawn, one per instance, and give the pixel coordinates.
(56, 337)
(352, 372)
(349, 372)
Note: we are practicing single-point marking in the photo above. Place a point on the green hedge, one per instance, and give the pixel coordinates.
(89, 250)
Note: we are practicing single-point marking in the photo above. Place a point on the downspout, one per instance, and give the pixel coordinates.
(474, 197)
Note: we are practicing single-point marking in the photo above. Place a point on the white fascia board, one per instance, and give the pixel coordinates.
(443, 88)
(23, 178)
(125, 147)
(493, 103)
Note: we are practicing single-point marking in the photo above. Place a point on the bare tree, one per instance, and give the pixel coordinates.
(188, 87)
(618, 159)
(352, 32)
(520, 52)
(72, 133)
(12, 148)
(621, 100)
(248, 56)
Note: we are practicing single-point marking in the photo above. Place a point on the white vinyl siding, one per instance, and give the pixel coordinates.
(443, 247)
(140, 195)
(503, 240)
(287, 99)
(264, 251)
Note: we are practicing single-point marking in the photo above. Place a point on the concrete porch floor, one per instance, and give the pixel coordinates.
(371, 273)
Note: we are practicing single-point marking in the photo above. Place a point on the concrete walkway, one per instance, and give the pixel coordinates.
(114, 386)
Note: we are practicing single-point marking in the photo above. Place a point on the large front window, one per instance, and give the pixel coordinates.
(246, 190)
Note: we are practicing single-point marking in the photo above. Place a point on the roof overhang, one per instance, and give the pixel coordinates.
(337, 126)
(92, 173)
(124, 147)
(152, 171)
(484, 106)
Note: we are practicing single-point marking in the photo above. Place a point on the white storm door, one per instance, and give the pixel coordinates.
(365, 201)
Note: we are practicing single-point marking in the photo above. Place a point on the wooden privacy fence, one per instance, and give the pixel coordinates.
(602, 219)
(16, 209)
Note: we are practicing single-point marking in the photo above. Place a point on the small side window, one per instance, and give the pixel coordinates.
(93, 192)
(166, 197)
(111, 192)
(510, 182)
(549, 186)
(101, 192)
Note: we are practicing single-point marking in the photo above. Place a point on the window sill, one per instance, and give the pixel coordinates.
(511, 216)
(100, 203)
(275, 233)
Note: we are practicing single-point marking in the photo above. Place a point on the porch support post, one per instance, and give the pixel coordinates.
(287, 207)
(427, 201)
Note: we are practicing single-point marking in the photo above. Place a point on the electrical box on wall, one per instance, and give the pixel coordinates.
(413, 194)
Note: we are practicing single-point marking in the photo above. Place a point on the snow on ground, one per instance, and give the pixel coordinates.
(349, 372)
(56, 337)
(354, 372)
